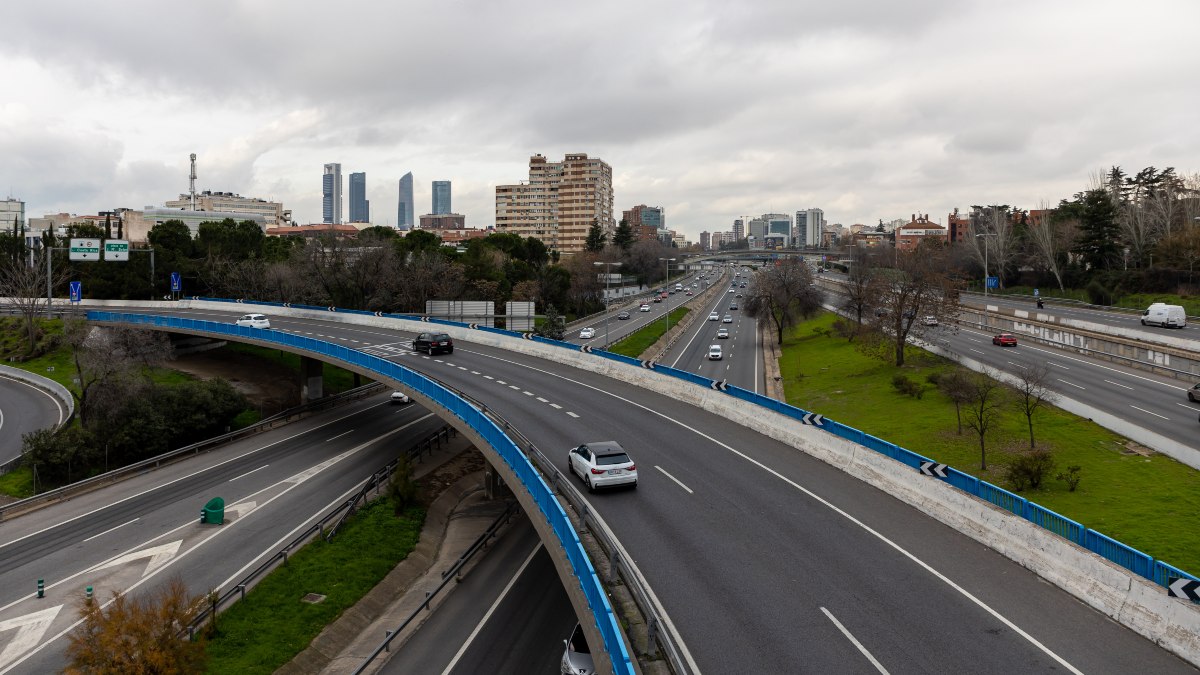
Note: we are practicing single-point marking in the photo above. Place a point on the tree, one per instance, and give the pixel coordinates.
(107, 361)
(957, 386)
(595, 238)
(1000, 243)
(623, 237)
(1098, 241)
(862, 285)
(138, 635)
(1033, 391)
(921, 285)
(983, 409)
(783, 294)
(1050, 241)
(23, 288)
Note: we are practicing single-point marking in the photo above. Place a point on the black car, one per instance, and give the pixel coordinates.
(433, 343)
(623, 315)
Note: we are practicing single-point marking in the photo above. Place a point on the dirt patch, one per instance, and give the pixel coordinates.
(435, 483)
(268, 386)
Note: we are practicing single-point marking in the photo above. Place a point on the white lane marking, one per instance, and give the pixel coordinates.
(1057, 365)
(1070, 383)
(867, 528)
(542, 400)
(1148, 412)
(488, 377)
(527, 393)
(572, 414)
(339, 436)
(110, 530)
(677, 481)
(474, 372)
(159, 556)
(1185, 405)
(861, 648)
(253, 470)
(975, 350)
(450, 364)
(556, 406)
(62, 411)
(513, 386)
(30, 629)
(501, 382)
(504, 593)
(1120, 385)
(439, 361)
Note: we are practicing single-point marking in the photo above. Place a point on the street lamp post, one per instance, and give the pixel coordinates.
(985, 272)
(667, 282)
(607, 278)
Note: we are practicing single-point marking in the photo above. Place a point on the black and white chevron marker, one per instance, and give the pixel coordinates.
(527, 336)
(1182, 587)
(586, 349)
(813, 419)
(472, 326)
(719, 386)
(425, 318)
(378, 313)
(933, 469)
(648, 364)
(239, 301)
(287, 305)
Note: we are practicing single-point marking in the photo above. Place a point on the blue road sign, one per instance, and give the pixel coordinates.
(176, 282)
(993, 282)
(1035, 293)
(76, 291)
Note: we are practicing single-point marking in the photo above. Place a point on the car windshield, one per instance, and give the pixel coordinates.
(609, 460)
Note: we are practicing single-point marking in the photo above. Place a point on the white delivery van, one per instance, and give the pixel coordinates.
(1162, 314)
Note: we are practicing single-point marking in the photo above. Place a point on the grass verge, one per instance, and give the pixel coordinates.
(634, 344)
(273, 624)
(1146, 500)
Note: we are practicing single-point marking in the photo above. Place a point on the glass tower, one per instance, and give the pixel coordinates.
(360, 208)
(331, 194)
(441, 197)
(404, 210)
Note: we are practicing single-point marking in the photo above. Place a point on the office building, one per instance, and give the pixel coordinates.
(706, 241)
(360, 207)
(739, 228)
(779, 224)
(404, 210)
(443, 221)
(814, 227)
(559, 203)
(441, 197)
(331, 194)
(758, 232)
(12, 210)
(802, 240)
(273, 213)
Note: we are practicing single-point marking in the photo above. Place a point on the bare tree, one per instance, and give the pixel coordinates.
(23, 288)
(1138, 228)
(862, 285)
(1001, 241)
(1032, 392)
(783, 294)
(983, 410)
(109, 363)
(957, 386)
(1051, 239)
(920, 286)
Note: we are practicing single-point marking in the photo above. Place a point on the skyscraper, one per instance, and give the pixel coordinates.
(441, 197)
(404, 210)
(360, 207)
(331, 194)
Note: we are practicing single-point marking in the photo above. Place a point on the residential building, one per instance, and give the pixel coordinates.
(331, 194)
(919, 230)
(739, 228)
(360, 207)
(758, 233)
(404, 209)
(644, 232)
(957, 226)
(645, 215)
(814, 225)
(802, 240)
(706, 241)
(441, 197)
(443, 221)
(12, 210)
(559, 203)
(273, 213)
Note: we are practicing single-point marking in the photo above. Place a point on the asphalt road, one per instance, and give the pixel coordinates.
(1126, 321)
(766, 559)
(24, 408)
(137, 533)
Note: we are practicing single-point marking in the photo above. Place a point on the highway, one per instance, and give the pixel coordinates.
(24, 408)
(766, 559)
(1125, 320)
(137, 533)
(615, 328)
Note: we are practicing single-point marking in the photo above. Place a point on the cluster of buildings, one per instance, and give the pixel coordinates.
(772, 231)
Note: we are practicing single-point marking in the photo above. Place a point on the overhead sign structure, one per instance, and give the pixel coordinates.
(76, 291)
(933, 469)
(85, 249)
(116, 249)
(1182, 587)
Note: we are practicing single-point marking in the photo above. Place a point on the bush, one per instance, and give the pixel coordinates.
(1071, 477)
(1098, 294)
(902, 384)
(934, 378)
(1029, 469)
(402, 489)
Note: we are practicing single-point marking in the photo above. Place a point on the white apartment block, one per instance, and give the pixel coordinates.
(559, 202)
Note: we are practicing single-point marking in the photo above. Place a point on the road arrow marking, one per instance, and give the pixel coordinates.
(30, 629)
(158, 555)
(241, 509)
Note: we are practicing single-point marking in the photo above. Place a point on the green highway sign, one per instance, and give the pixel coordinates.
(116, 249)
(85, 249)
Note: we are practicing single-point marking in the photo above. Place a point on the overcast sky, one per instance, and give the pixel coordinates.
(868, 109)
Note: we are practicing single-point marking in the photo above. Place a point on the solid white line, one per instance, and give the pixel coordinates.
(679, 482)
(861, 648)
(338, 436)
(478, 627)
(110, 530)
(249, 472)
(1148, 412)
(1071, 383)
(1185, 405)
(1120, 385)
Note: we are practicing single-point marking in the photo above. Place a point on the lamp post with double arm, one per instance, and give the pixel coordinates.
(985, 273)
(607, 277)
(666, 283)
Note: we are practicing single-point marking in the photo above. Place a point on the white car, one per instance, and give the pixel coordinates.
(254, 321)
(723, 334)
(929, 320)
(644, 308)
(728, 319)
(587, 333)
(714, 352)
(399, 397)
(577, 657)
(713, 317)
(602, 464)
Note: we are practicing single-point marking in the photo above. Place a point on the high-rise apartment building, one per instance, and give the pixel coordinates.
(360, 206)
(814, 227)
(441, 197)
(331, 194)
(802, 240)
(739, 228)
(705, 241)
(404, 210)
(645, 221)
(559, 203)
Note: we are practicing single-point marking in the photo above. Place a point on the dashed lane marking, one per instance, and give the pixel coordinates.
(572, 414)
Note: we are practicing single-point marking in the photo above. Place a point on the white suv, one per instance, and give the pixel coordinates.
(713, 317)
(714, 352)
(254, 321)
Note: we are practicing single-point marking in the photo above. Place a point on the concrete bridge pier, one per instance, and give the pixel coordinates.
(312, 382)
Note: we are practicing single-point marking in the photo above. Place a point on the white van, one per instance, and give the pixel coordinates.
(1162, 314)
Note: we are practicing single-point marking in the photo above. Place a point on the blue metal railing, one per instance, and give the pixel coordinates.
(1126, 556)
(508, 451)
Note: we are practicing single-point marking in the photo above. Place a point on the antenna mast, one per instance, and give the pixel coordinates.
(192, 181)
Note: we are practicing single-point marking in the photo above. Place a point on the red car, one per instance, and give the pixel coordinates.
(1005, 340)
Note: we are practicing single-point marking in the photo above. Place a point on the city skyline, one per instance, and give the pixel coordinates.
(767, 106)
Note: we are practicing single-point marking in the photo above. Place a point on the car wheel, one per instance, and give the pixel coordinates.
(1143, 322)
(590, 487)
(450, 351)
(1191, 397)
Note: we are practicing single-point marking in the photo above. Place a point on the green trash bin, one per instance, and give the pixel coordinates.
(213, 512)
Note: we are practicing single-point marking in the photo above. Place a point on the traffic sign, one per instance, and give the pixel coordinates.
(1182, 587)
(1035, 292)
(993, 282)
(933, 469)
(116, 249)
(85, 249)
(176, 282)
(76, 291)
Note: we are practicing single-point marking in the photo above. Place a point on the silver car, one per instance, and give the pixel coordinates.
(577, 658)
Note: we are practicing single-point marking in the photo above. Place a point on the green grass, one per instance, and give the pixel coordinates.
(1151, 503)
(17, 483)
(272, 625)
(336, 379)
(634, 344)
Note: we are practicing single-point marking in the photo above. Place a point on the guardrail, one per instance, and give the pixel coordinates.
(6, 510)
(341, 513)
(544, 498)
(1072, 302)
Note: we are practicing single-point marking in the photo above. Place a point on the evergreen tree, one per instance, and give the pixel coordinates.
(1099, 233)
(623, 237)
(596, 239)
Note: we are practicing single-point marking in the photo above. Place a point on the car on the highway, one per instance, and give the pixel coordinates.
(1005, 340)
(723, 333)
(713, 316)
(587, 333)
(623, 315)
(738, 295)
(929, 320)
(714, 352)
(399, 397)
(1194, 394)
(689, 292)
(602, 464)
(743, 285)
(433, 343)
(577, 657)
(644, 307)
(254, 321)
(733, 306)
(658, 299)
(728, 319)
(731, 290)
